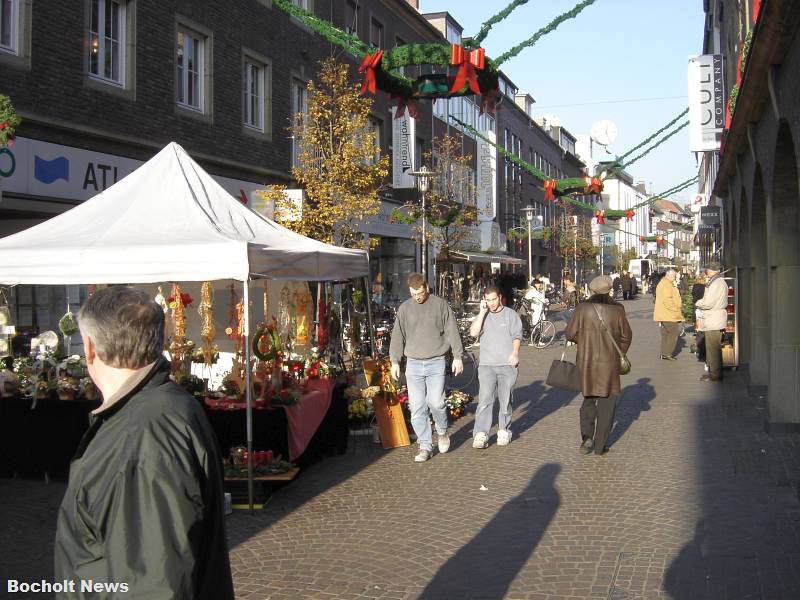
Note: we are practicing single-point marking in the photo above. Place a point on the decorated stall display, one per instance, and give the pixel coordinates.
(382, 390)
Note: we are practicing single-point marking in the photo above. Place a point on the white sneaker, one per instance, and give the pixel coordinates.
(481, 440)
(422, 456)
(444, 443)
(503, 437)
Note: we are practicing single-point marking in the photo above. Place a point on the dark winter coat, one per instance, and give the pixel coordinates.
(144, 500)
(597, 358)
(626, 282)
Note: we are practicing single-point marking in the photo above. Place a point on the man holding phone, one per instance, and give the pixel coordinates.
(499, 330)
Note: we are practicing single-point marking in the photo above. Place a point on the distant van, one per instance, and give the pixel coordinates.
(640, 267)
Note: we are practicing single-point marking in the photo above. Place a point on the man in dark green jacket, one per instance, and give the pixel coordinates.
(143, 511)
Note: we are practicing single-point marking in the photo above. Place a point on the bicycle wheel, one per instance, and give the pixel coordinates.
(543, 334)
(467, 376)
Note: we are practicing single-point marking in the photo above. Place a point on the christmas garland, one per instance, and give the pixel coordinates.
(484, 31)
(9, 121)
(543, 31)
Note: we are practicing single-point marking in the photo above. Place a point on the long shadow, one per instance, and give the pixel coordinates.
(629, 410)
(540, 401)
(488, 564)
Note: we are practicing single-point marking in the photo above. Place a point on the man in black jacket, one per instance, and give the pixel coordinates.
(143, 511)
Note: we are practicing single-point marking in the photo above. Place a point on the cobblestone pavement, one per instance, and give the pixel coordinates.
(694, 501)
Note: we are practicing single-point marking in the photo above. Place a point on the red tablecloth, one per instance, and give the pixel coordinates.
(303, 419)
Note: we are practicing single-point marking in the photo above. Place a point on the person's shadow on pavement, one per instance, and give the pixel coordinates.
(632, 402)
(542, 400)
(487, 565)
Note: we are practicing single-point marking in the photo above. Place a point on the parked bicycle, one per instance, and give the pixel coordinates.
(540, 333)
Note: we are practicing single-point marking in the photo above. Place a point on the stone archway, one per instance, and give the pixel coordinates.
(742, 264)
(784, 255)
(759, 286)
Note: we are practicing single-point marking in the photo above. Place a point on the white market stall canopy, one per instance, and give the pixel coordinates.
(168, 221)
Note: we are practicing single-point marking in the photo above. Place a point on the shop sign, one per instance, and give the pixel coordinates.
(486, 186)
(404, 142)
(710, 215)
(706, 102)
(50, 170)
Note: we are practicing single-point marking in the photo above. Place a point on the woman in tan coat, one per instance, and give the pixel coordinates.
(668, 312)
(598, 361)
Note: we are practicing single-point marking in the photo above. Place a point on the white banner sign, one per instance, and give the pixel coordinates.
(706, 102)
(404, 144)
(486, 186)
(54, 171)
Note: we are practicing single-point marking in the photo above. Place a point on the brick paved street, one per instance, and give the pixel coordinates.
(694, 500)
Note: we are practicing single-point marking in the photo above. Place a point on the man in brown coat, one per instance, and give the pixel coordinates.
(668, 311)
(598, 361)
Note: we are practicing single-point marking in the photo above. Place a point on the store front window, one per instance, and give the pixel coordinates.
(390, 265)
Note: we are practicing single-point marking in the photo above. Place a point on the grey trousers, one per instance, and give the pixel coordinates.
(597, 417)
(669, 336)
(496, 382)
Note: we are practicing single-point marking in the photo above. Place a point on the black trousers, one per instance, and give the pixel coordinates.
(597, 418)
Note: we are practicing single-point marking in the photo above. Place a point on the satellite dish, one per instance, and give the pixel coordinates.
(604, 132)
(49, 339)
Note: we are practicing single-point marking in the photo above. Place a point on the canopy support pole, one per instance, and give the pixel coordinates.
(372, 344)
(247, 393)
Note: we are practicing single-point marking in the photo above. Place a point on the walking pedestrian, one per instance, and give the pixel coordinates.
(143, 505)
(713, 317)
(499, 330)
(598, 361)
(538, 300)
(668, 312)
(626, 284)
(424, 331)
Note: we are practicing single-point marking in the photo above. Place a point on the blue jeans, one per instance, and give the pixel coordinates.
(496, 382)
(425, 379)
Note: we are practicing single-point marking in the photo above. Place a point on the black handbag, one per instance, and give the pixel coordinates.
(564, 374)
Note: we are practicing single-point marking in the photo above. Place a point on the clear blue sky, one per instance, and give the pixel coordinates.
(602, 64)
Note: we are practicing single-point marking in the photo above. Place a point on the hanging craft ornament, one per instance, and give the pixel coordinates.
(600, 216)
(549, 189)
(593, 185)
(207, 327)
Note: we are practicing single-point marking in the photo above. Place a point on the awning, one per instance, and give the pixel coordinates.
(481, 257)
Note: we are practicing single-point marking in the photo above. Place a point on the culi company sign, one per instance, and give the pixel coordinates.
(706, 102)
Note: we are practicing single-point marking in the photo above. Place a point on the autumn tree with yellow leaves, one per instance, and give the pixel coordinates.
(339, 162)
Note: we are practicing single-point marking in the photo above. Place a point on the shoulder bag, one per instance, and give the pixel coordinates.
(624, 363)
(564, 374)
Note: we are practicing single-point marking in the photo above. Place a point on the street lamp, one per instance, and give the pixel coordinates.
(423, 177)
(529, 213)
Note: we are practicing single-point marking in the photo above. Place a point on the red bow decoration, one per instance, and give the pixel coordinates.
(641, 239)
(600, 215)
(659, 240)
(593, 185)
(402, 104)
(467, 62)
(629, 215)
(368, 66)
(549, 189)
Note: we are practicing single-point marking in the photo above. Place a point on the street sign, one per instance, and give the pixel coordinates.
(607, 239)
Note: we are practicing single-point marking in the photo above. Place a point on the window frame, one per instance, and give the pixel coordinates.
(204, 70)
(122, 44)
(375, 23)
(297, 83)
(14, 18)
(265, 65)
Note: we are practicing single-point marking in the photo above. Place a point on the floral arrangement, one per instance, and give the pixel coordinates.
(73, 366)
(267, 343)
(191, 383)
(315, 367)
(88, 389)
(25, 370)
(288, 396)
(9, 121)
(359, 410)
(67, 388)
(230, 387)
(455, 402)
(263, 463)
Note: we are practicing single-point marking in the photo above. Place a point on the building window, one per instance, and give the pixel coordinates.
(299, 105)
(351, 17)
(191, 69)
(107, 40)
(9, 25)
(254, 87)
(376, 34)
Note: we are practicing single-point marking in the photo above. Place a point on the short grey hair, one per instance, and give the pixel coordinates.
(125, 325)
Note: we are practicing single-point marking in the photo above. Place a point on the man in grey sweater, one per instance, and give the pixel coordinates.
(424, 330)
(499, 330)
